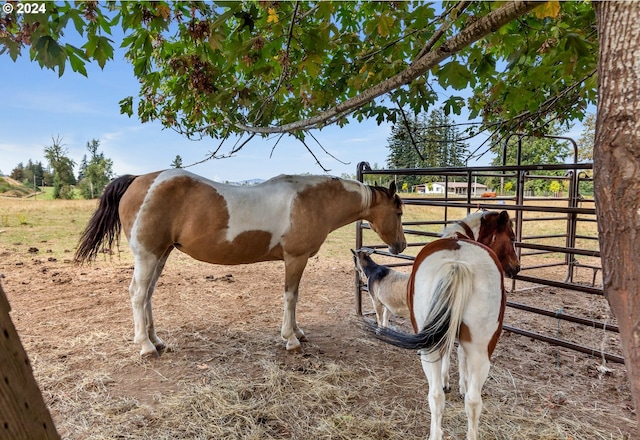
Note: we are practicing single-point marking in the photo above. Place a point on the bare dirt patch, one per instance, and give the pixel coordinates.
(227, 374)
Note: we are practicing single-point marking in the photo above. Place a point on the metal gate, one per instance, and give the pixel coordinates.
(568, 243)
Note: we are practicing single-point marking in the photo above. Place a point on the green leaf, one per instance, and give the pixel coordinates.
(577, 44)
(453, 74)
(548, 9)
(126, 106)
(216, 41)
(453, 105)
(385, 24)
(76, 59)
(78, 22)
(99, 48)
(49, 54)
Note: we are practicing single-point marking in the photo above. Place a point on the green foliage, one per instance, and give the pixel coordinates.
(210, 69)
(62, 166)
(550, 70)
(4, 185)
(555, 187)
(32, 171)
(95, 173)
(64, 192)
(533, 151)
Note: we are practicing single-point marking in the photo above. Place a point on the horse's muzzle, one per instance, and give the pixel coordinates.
(396, 248)
(512, 271)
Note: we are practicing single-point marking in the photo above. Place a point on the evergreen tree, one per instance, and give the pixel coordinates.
(18, 172)
(430, 142)
(177, 162)
(97, 172)
(83, 168)
(403, 153)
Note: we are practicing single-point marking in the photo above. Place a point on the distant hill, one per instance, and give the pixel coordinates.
(12, 188)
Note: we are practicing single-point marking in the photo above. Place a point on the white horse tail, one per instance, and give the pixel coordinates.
(451, 292)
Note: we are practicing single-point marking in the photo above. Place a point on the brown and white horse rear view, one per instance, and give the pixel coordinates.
(456, 290)
(285, 218)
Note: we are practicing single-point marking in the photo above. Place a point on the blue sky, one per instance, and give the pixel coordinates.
(38, 105)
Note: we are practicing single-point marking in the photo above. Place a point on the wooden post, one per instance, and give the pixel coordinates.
(23, 414)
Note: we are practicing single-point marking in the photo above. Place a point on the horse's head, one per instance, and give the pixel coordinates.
(385, 217)
(496, 232)
(362, 262)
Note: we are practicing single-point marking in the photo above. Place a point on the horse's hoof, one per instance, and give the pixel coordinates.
(161, 347)
(303, 338)
(150, 354)
(294, 346)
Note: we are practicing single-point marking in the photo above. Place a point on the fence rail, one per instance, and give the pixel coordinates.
(575, 212)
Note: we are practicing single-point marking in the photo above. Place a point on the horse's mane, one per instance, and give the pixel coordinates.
(381, 190)
(472, 220)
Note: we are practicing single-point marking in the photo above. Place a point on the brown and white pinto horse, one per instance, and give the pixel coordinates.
(456, 290)
(285, 218)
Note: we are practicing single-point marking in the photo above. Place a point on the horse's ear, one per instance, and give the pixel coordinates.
(353, 252)
(392, 189)
(503, 219)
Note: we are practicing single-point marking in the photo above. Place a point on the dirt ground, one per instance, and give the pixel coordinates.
(76, 325)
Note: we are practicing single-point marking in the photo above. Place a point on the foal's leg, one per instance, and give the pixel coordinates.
(140, 291)
(432, 366)
(477, 366)
(380, 309)
(386, 313)
(293, 268)
(148, 309)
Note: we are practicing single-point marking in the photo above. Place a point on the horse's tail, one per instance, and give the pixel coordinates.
(453, 287)
(104, 226)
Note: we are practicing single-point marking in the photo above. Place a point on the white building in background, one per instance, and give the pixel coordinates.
(455, 188)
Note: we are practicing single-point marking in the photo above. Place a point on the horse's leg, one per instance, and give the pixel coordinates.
(148, 309)
(432, 366)
(293, 268)
(381, 313)
(139, 290)
(446, 363)
(385, 316)
(477, 366)
(462, 371)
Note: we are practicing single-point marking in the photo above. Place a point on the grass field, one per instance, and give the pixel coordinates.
(54, 226)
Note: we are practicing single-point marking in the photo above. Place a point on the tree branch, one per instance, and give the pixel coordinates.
(445, 27)
(477, 30)
(285, 65)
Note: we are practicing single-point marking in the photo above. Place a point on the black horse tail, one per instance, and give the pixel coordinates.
(104, 226)
(451, 293)
(432, 338)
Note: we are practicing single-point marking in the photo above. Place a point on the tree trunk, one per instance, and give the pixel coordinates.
(23, 414)
(617, 172)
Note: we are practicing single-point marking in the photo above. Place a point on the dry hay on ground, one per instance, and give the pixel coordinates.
(228, 376)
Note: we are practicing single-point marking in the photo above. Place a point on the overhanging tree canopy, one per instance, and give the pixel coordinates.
(215, 69)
